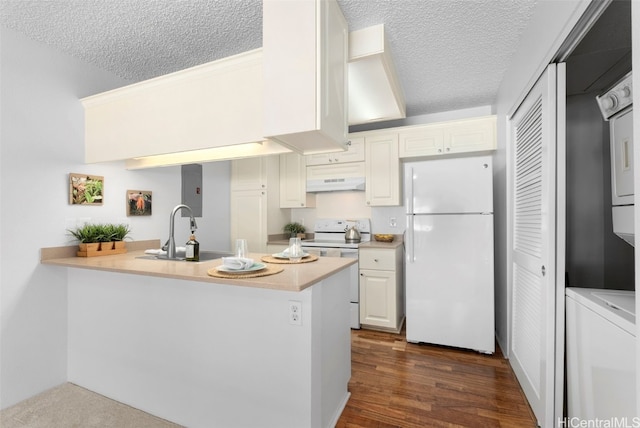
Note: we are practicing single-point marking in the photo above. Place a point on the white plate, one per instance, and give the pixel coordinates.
(253, 268)
(285, 256)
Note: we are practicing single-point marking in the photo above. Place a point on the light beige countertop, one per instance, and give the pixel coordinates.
(397, 242)
(295, 277)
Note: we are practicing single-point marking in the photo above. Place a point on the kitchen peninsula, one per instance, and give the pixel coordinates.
(167, 338)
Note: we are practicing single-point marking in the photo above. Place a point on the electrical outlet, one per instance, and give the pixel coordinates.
(295, 312)
(393, 222)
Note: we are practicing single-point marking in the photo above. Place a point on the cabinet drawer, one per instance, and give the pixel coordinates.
(377, 259)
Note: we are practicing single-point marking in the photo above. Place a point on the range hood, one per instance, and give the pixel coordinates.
(335, 184)
(336, 177)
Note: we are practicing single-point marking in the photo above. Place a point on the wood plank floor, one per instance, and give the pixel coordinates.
(399, 384)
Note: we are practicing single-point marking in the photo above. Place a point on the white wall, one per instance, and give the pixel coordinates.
(41, 143)
(551, 23)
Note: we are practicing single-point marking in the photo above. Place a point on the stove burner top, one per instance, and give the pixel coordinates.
(330, 233)
(329, 243)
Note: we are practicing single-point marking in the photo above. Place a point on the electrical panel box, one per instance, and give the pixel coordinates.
(192, 189)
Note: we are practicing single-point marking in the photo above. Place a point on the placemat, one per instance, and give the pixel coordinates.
(275, 260)
(269, 270)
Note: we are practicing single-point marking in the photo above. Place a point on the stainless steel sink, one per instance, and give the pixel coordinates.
(204, 256)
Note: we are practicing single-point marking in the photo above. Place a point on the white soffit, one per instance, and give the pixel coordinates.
(374, 91)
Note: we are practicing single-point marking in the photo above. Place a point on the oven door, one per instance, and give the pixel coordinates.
(354, 280)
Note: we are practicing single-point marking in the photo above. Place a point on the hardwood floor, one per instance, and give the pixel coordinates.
(399, 384)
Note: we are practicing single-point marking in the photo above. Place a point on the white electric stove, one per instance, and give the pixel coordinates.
(329, 241)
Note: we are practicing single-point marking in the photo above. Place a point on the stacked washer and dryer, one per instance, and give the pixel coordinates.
(600, 328)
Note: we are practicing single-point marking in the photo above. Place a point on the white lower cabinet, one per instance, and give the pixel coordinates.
(381, 288)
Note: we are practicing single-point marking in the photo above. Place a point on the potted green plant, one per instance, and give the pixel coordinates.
(294, 230)
(119, 232)
(104, 236)
(88, 236)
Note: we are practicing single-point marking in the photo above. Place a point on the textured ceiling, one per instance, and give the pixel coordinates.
(449, 54)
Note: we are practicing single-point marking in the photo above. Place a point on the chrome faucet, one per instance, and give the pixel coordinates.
(171, 243)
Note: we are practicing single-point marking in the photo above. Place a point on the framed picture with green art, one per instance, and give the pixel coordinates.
(86, 189)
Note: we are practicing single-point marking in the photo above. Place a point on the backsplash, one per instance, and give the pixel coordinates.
(350, 204)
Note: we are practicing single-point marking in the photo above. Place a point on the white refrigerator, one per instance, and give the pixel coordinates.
(449, 252)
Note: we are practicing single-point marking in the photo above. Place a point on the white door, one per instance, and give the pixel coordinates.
(535, 129)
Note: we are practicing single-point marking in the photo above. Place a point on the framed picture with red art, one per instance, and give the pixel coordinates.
(138, 202)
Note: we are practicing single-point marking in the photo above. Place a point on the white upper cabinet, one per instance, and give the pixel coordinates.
(305, 46)
(382, 170)
(249, 174)
(293, 182)
(354, 153)
(459, 136)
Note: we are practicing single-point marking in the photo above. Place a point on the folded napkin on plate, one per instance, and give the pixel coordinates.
(287, 252)
(237, 263)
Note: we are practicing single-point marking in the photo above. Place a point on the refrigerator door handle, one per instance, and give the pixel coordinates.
(409, 242)
(409, 191)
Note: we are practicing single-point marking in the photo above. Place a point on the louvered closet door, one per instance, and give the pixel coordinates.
(533, 140)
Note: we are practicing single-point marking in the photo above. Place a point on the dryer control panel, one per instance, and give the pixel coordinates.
(619, 97)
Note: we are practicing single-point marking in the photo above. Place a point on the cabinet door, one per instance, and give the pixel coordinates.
(355, 153)
(249, 219)
(382, 170)
(471, 135)
(249, 174)
(427, 141)
(293, 182)
(377, 298)
(460, 136)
